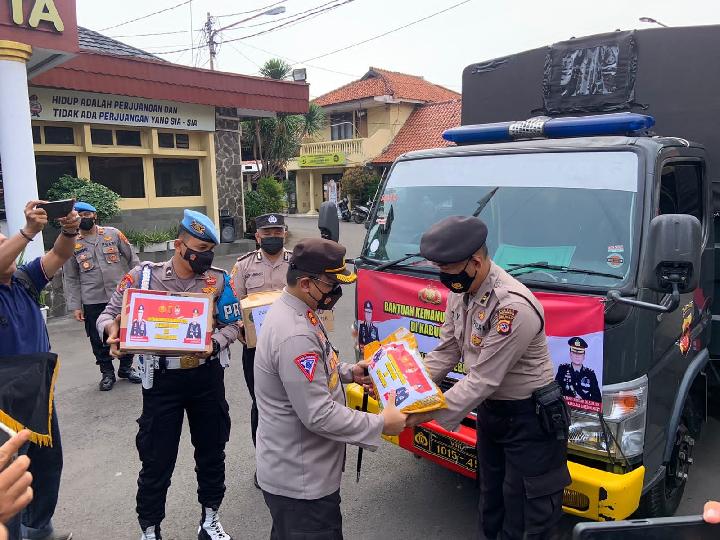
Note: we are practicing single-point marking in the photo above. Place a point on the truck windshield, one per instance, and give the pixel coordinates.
(571, 209)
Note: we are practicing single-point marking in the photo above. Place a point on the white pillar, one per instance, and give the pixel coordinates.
(16, 143)
(312, 210)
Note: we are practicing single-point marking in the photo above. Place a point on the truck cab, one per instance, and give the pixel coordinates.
(610, 222)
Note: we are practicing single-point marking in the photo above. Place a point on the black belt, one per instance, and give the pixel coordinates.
(507, 407)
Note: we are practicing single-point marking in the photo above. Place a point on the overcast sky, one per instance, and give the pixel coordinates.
(437, 48)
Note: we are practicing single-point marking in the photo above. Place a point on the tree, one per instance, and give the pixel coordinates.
(359, 184)
(275, 141)
(277, 69)
(102, 198)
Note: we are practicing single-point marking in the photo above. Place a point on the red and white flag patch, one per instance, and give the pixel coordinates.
(307, 362)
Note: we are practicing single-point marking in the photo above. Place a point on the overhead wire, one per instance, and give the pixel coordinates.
(274, 20)
(146, 16)
(252, 11)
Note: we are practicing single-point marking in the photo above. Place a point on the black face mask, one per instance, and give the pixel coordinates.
(200, 261)
(458, 283)
(272, 244)
(87, 223)
(328, 299)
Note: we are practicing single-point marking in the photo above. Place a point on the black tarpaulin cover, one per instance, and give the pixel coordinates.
(590, 74)
(27, 385)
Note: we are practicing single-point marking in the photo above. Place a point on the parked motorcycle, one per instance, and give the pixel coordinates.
(360, 213)
(344, 210)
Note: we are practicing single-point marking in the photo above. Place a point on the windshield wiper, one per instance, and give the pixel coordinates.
(546, 266)
(482, 203)
(389, 264)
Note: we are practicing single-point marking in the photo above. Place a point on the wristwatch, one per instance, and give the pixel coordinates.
(216, 348)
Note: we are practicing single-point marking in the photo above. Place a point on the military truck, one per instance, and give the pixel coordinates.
(593, 163)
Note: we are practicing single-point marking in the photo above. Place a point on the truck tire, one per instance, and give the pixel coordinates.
(664, 497)
(357, 218)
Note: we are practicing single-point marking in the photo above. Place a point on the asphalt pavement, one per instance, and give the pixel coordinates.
(397, 495)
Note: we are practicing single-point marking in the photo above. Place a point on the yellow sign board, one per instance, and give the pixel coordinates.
(322, 160)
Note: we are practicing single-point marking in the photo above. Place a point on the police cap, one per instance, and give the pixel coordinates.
(322, 257)
(368, 305)
(200, 226)
(577, 345)
(84, 207)
(268, 221)
(453, 239)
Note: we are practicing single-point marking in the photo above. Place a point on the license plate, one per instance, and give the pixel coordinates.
(445, 448)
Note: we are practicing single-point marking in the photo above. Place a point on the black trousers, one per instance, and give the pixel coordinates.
(200, 393)
(99, 348)
(248, 363)
(523, 471)
(301, 519)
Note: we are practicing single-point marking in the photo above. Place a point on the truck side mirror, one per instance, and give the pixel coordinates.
(672, 254)
(328, 221)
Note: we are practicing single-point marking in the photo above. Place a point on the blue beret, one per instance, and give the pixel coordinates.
(84, 207)
(200, 226)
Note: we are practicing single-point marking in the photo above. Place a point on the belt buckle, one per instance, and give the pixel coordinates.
(189, 362)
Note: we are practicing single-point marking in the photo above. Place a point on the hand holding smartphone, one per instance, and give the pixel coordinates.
(57, 209)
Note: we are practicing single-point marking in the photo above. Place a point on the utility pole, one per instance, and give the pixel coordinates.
(212, 44)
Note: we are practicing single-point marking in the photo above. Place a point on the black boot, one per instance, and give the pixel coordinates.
(108, 376)
(126, 371)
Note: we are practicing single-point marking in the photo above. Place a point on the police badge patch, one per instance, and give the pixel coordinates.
(307, 362)
(125, 282)
(312, 318)
(505, 317)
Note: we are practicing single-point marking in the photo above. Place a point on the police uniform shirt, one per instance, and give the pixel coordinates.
(578, 383)
(193, 331)
(501, 338)
(254, 272)
(164, 278)
(368, 333)
(98, 264)
(304, 423)
(138, 328)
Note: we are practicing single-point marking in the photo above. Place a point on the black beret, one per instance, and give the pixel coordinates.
(322, 257)
(453, 239)
(267, 221)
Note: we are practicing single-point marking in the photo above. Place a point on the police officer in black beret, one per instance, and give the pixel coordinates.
(575, 379)
(368, 331)
(496, 325)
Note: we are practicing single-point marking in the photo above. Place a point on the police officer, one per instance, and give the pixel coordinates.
(264, 269)
(496, 325)
(304, 423)
(194, 329)
(102, 256)
(138, 328)
(576, 380)
(368, 331)
(174, 385)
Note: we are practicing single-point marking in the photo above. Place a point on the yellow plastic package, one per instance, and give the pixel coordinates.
(396, 364)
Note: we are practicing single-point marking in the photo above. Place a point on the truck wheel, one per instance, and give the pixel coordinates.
(357, 218)
(665, 496)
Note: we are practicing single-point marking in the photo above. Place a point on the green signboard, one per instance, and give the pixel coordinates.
(322, 160)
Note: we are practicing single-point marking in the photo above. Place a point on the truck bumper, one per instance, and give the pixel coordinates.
(594, 494)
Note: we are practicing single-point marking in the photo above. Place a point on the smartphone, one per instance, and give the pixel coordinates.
(670, 528)
(5, 435)
(58, 209)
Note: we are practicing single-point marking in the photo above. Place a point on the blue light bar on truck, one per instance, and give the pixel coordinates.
(625, 123)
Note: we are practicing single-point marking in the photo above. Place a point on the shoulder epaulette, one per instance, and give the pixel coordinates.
(218, 269)
(246, 255)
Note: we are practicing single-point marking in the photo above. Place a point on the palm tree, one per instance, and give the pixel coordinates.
(276, 68)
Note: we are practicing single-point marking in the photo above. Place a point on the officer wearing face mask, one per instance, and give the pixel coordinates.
(496, 325)
(102, 255)
(304, 421)
(264, 269)
(191, 384)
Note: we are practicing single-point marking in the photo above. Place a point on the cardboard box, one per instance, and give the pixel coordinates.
(166, 323)
(254, 308)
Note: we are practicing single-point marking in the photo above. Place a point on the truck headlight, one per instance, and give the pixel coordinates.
(624, 408)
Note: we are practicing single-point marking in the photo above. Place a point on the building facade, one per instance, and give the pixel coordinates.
(364, 118)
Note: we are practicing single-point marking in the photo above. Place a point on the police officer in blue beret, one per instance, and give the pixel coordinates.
(192, 383)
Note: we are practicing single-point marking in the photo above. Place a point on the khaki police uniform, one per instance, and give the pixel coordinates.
(255, 272)
(499, 334)
(304, 422)
(90, 277)
(174, 387)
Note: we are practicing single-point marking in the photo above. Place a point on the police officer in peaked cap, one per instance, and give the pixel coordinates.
(367, 332)
(496, 325)
(264, 269)
(575, 379)
(191, 384)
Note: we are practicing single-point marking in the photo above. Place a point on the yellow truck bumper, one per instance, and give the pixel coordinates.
(594, 494)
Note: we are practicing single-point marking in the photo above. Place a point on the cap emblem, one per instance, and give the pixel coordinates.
(197, 227)
(272, 219)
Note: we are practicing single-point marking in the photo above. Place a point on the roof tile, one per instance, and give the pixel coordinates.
(423, 129)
